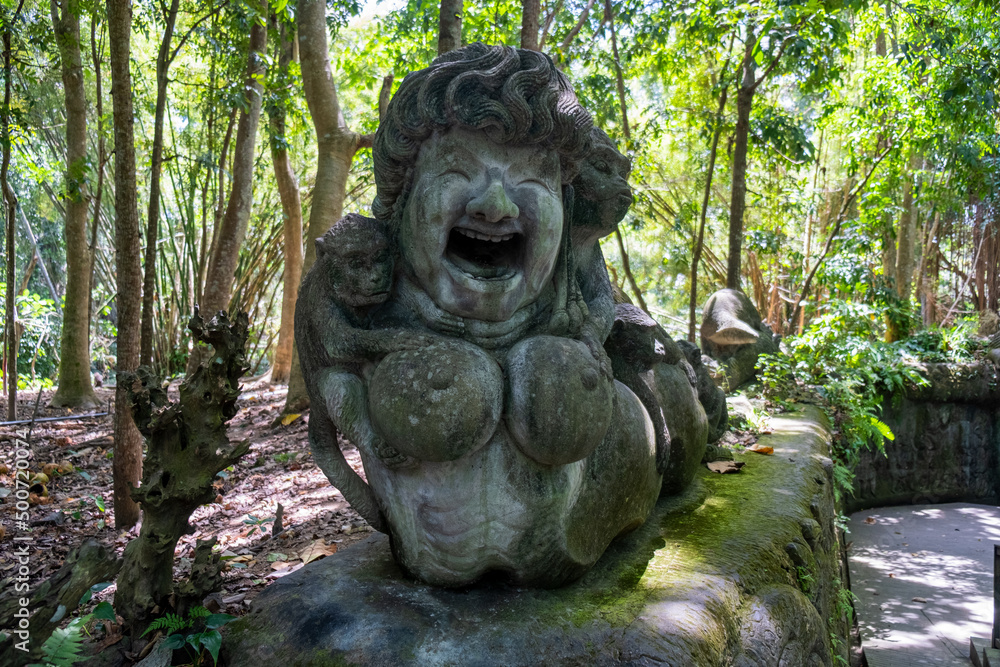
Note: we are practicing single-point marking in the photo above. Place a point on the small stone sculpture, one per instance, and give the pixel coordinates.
(471, 371)
(733, 333)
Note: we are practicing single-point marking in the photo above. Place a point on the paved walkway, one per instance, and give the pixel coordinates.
(923, 575)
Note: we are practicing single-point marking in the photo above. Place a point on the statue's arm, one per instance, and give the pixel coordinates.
(346, 343)
(596, 287)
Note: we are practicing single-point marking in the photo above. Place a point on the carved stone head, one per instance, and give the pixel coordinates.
(470, 161)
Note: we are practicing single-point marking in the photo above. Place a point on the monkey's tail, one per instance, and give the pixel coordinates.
(326, 452)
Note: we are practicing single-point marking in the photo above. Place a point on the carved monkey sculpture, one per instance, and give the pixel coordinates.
(351, 278)
(602, 197)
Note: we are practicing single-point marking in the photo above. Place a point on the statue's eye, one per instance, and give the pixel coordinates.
(457, 172)
(539, 181)
(602, 166)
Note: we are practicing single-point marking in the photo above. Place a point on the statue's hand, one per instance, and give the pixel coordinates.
(600, 356)
(448, 324)
(412, 340)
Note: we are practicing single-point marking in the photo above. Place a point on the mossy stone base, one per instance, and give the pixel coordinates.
(739, 570)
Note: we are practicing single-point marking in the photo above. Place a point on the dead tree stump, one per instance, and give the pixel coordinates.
(187, 448)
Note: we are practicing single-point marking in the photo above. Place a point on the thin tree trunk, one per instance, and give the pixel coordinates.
(10, 207)
(841, 214)
(232, 229)
(609, 17)
(450, 26)
(336, 145)
(619, 76)
(906, 234)
(700, 240)
(75, 389)
(979, 233)
(628, 271)
(127, 466)
(530, 10)
(291, 205)
(571, 35)
(163, 59)
(101, 158)
(550, 16)
(737, 205)
(219, 209)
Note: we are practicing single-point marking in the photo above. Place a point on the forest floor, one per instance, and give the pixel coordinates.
(76, 503)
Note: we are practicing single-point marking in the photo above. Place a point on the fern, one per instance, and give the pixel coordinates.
(198, 612)
(170, 623)
(64, 647)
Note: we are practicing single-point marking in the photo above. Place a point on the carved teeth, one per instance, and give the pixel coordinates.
(484, 237)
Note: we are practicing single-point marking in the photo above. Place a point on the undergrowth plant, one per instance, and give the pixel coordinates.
(197, 632)
(64, 647)
(841, 363)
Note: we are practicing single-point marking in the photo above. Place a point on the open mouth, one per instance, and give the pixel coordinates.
(485, 256)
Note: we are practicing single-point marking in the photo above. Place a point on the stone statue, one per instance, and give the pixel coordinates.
(733, 333)
(462, 350)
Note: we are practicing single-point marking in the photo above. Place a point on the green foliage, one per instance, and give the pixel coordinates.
(841, 363)
(65, 646)
(257, 523)
(204, 632)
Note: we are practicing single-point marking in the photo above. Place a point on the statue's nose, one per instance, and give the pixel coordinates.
(493, 204)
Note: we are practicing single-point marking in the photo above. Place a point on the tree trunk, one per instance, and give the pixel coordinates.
(291, 204)
(127, 466)
(619, 75)
(336, 145)
(450, 26)
(10, 209)
(101, 157)
(232, 229)
(737, 206)
(153, 217)
(530, 24)
(979, 242)
(700, 239)
(75, 389)
(906, 235)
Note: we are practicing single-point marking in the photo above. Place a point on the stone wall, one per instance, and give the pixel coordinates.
(946, 446)
(740, 569)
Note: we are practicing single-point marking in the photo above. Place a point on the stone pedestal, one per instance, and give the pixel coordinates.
(741, 569)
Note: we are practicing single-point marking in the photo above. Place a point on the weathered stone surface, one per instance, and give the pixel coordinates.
(561, 373)
(733, 333)
(686, 421)
(711, 396)
(709, 580)
(946, 445)
(437, 403)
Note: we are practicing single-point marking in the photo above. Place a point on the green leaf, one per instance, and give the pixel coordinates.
(199, 612)
(65, 645)
(104, 611)
(213, 642)
(883, 428)
(174, 642)
(217, 620)
(98, 501)
(170, 622)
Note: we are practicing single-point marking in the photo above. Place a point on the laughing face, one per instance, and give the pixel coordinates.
(480, 231)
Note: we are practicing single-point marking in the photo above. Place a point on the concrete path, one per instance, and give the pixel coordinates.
(923, 575)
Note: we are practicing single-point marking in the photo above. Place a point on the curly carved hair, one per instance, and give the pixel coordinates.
(514, 95)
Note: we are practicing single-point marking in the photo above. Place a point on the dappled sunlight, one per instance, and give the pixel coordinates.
(923, 578)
